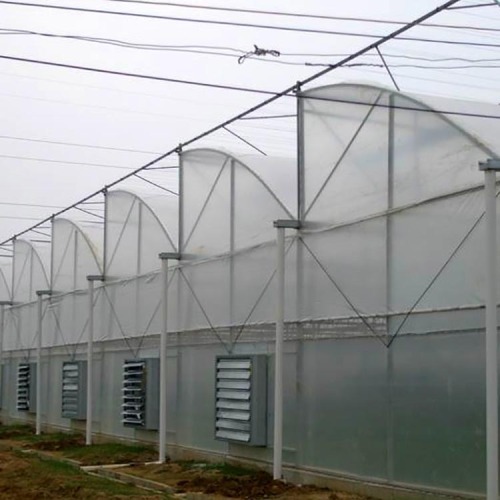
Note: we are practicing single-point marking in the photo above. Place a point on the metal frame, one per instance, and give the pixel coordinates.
(280, 225)
(162, 428)
(90, 357)
(40, 294)
(490, 169)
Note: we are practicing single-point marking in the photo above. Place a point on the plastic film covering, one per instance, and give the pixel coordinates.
(367, 147)
(138, 228)
(128, 308)
(76, 253)
(6, 282)
(20, 327)
(30, 267)
(226, 205)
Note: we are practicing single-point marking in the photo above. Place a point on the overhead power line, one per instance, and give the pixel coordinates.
(274, 95)
(32, 205)
(65, 162)
(254, 54)
(304, 15)
(227, 51)
(296, 87)
(73, 144)
(239, 24)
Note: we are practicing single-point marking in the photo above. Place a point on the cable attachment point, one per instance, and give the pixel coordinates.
(257, 51)
(298, 87)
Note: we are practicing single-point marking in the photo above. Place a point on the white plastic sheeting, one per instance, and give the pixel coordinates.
(226, 206)
(30, 270)
(5, 283)
(76, 253)
(137, 229)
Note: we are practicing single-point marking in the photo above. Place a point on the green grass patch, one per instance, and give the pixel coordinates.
(51, 478)
(55, 441)
(111, 453)
(16, 431)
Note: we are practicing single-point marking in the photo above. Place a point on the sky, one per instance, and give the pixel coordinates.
(66, 133)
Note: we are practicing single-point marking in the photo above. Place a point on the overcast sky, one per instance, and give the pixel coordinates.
(41, 103)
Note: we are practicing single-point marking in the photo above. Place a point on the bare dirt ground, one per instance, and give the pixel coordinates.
(25, 476)
(223, 481)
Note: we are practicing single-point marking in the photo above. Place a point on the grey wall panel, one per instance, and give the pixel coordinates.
(439, 411)
(344, 397)
(342, 411)
(196, 398)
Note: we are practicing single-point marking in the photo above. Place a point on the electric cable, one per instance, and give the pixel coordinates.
(66, 162)
(222, 50)
(238, 24)
(273, 95)
(255, 54)
(301, 15)
(73, 144)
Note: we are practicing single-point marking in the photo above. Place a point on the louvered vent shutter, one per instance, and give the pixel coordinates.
(74, 389)
(140, 393)
(26, 387)
(241, 399)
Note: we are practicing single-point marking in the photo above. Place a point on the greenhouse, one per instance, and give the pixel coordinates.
(380, 219)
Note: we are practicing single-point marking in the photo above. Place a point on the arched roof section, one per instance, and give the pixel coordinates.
(76, 253)
(137, 229)
(30, 270)
(228, 205)
(367, 148)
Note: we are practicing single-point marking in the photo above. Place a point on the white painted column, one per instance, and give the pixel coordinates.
(90, 360)
(278, 355)
(280, 226)
(491, 336)
(38, 422)
(162, 428)
(162, 431)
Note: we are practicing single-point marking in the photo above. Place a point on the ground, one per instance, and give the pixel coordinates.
(36, 467)
(24, 476)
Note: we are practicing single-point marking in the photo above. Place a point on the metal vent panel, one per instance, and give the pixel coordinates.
(74, 390)
(241, 399)
(140, 393)
(26, 387)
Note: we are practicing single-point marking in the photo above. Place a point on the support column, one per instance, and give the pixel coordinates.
(280, 225)
(38, 422)
(90, 358)
(490, 167)
(162, 430)
(2, 328)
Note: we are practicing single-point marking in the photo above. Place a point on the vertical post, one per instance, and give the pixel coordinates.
(90, 358)
(278, 355)
(39, 367)
(162, 433)
(38, 421)
(280, 225)
(491, 337)
(2, 336)
(2, 324)
(388, 284)
(162, 430)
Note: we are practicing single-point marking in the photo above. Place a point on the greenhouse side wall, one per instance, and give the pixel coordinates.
(384, 338)
(412, 414)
